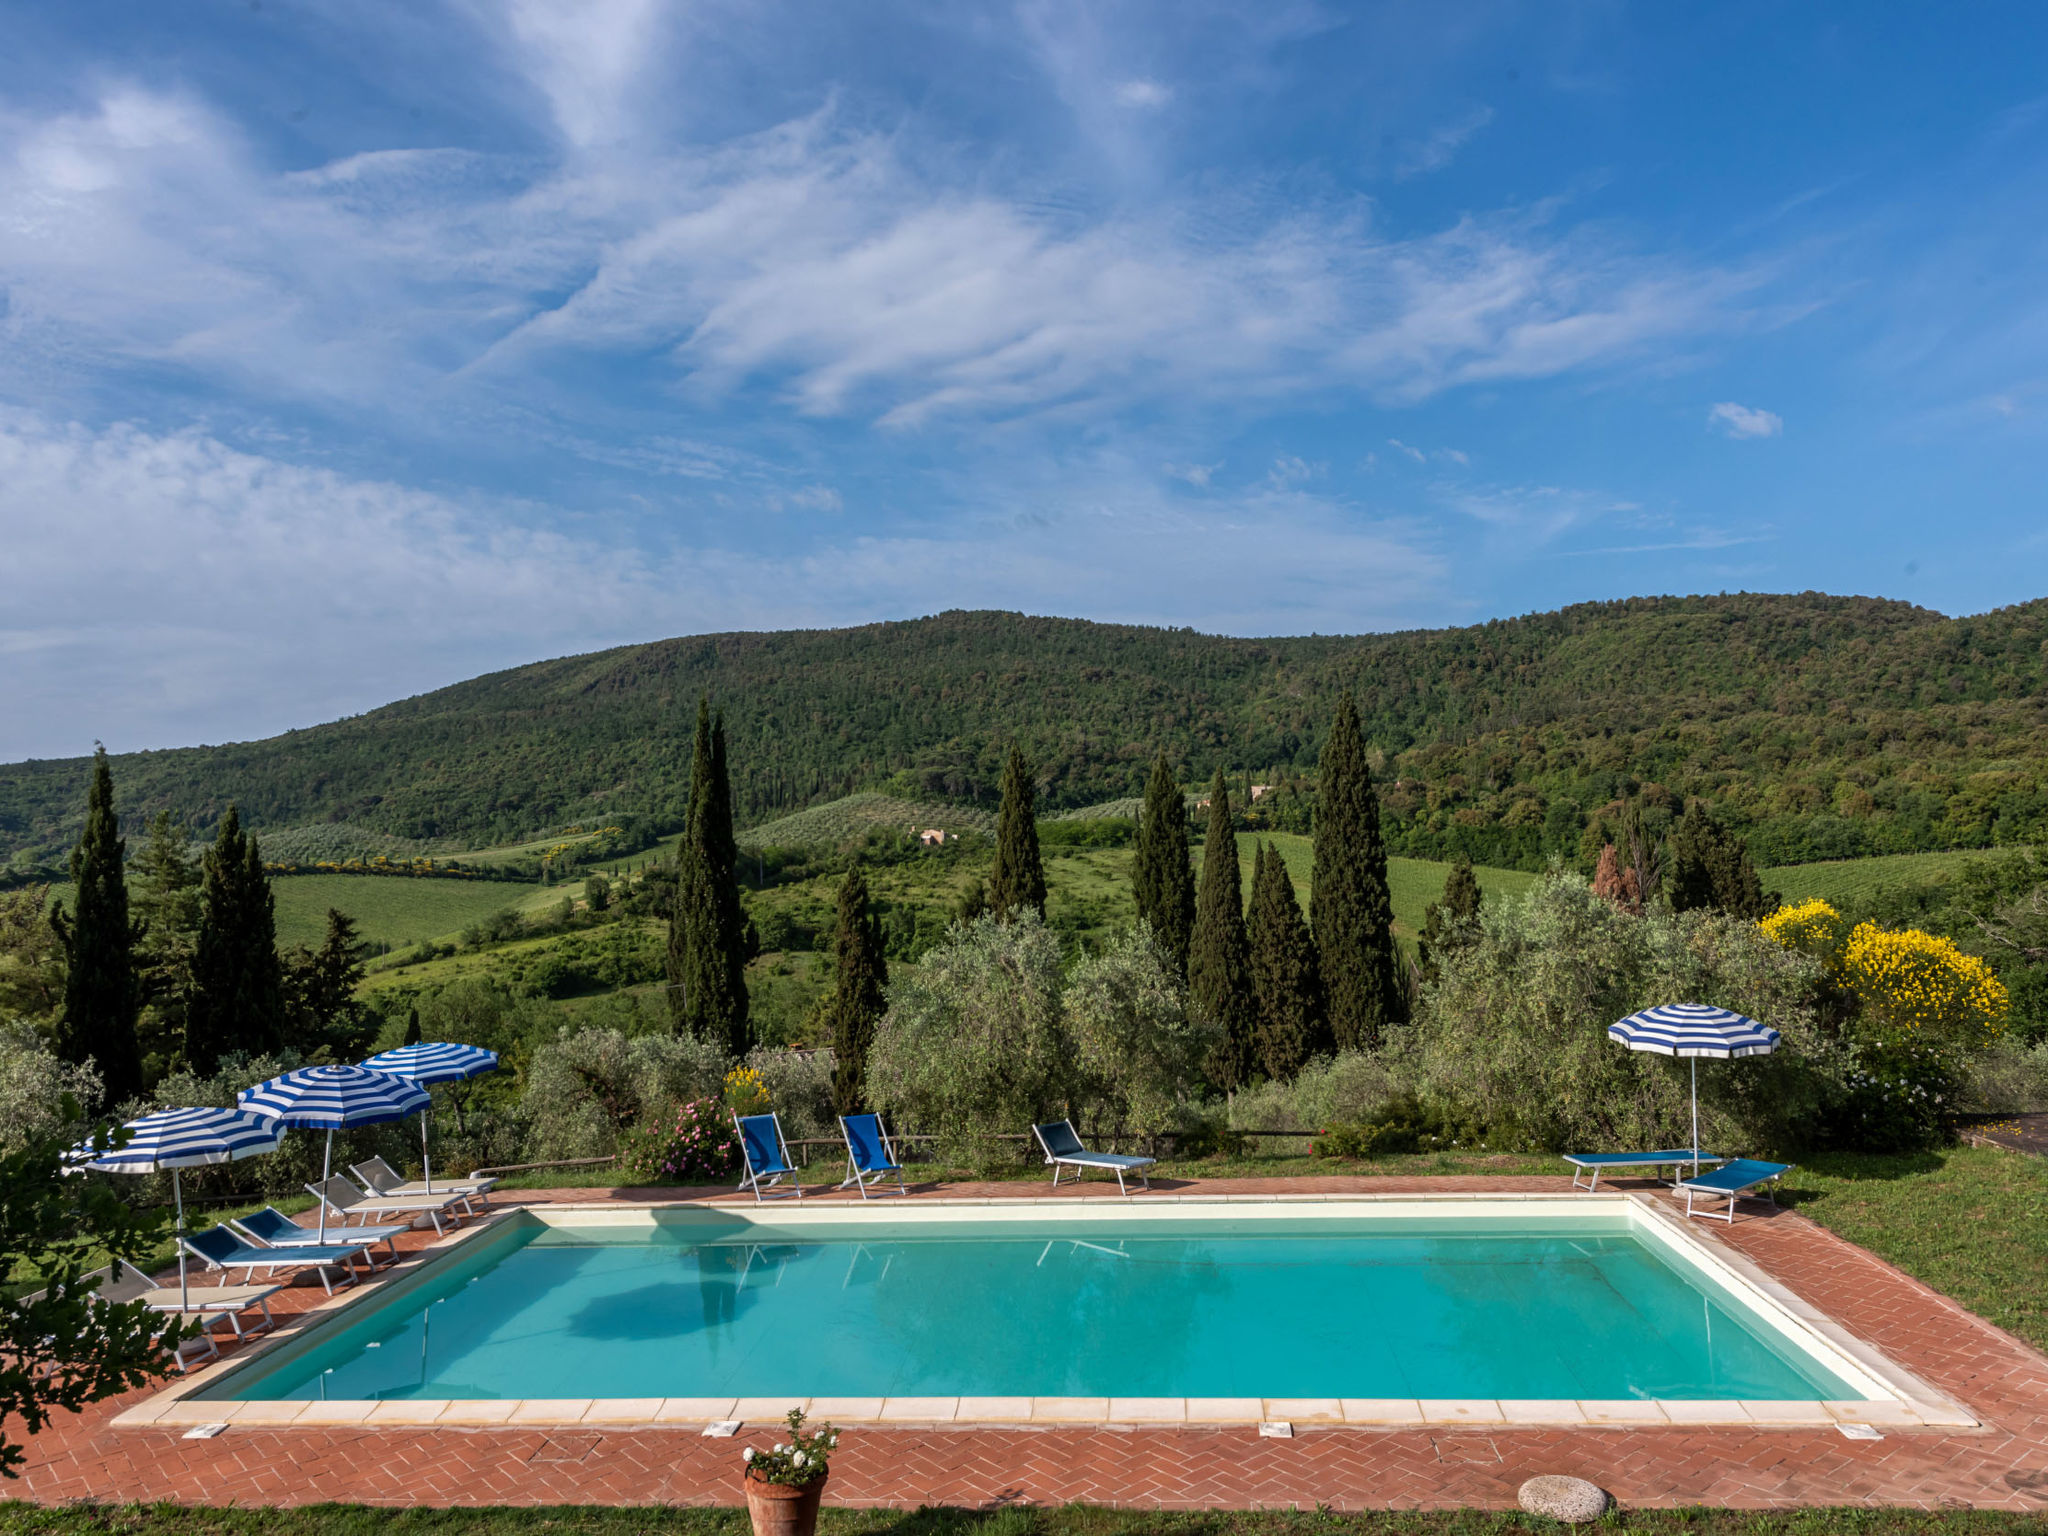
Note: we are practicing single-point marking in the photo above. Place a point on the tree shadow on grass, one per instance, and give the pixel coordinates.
(1854, 1167)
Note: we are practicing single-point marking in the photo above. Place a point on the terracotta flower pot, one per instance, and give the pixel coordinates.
(779, 1510)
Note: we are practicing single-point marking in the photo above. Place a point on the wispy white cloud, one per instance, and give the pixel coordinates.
(1142, 93)
(231, 595)
(1744, 421)
(832, 265)
(1440, 147)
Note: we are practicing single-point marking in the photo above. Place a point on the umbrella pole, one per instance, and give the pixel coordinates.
(326, 1163)
(1695, 1117)
(178, 1194)
(426, 1164)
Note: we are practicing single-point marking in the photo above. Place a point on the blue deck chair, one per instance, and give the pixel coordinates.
(1597, 1163)
(870, 1158)
(271, 1228)
(1063, 1149)
(1732, 1182)
(765, 1151)
(220, 1249)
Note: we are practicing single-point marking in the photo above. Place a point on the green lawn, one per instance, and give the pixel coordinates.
(1972, 1222)
(1851, 881)
(392, 909)
(1066, 1520)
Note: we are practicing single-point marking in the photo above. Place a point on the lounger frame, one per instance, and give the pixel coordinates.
(1597, 1163)
(364, 1206)
(1107, 1162)
(867, 1179)
(763, 1180)
(401, 1188)
(271, 1260)
(1755, 1189)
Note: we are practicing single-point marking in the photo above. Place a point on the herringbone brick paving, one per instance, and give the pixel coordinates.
(2003, 1465)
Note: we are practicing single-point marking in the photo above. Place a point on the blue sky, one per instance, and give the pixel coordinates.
(350, 349)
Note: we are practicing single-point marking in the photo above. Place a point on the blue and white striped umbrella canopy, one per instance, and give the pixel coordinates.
(172, 1139)
(334, 1098)
(183, 1138)
(434, 1063)
(1694, 1029)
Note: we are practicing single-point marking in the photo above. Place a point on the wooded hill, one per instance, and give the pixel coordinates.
(1821, 726)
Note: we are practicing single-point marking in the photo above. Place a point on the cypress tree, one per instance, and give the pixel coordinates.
(857, 997)
(1710, 867)
(1219, 967)
(166, 895)
(102, 992)
(1016, 882)
(237, 1002)
(324, 1018)
(1286, 981)
(1349, 905)
(1447, 922)
(707, 949)
(412, 1027)
(1162, 876)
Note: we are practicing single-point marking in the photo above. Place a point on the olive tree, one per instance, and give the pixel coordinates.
(975, 1043)
(1139, 1052)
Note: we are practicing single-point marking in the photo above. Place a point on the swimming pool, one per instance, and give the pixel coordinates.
(1551, 1301)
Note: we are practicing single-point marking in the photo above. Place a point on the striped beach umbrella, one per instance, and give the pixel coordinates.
(1694, 1030)
(332, 1099)
(433, 1063)
(172, 1139)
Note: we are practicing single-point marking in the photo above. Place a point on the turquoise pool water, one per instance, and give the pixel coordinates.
(1564, 1307)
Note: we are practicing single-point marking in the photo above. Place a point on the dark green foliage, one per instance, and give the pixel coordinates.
(165, 895)
(1815, 726)
(1219, 964)
(1286, 978)
(858, 1000)
(597, 892)
(1709, 867)
(237, 1000)
(1448, 921)
(323, 1019)
(1641, 851)
(707, 953)
(973, 903)
(60, 1348)
(102, 992)
(1162, 876)
(1016, 881)
(1349, 906)
(412, 1027)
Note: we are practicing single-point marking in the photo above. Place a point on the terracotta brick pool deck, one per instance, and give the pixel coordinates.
(2003, 1464)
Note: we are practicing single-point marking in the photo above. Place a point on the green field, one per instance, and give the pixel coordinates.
(392, 909)
(1851, 881)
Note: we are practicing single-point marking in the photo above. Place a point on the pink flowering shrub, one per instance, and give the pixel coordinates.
(699, 1147)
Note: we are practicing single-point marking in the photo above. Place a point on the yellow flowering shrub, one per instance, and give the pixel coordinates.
(1914, 985)
(1812, 928)
(745, 1093)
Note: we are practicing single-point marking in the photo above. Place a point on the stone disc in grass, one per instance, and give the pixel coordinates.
(1570, 1499)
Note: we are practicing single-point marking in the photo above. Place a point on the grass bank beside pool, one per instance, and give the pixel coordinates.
(1972, 1222)
(1067, 1520)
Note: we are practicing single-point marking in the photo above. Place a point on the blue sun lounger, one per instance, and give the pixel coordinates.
(221, 1249)
(1063, 1149)
(271, 1228)
(870, 1159)
(1733, 1182)
(765, 1152)
(1597, 1163)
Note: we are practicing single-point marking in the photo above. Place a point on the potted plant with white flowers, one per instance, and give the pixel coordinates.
(784, 1485)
